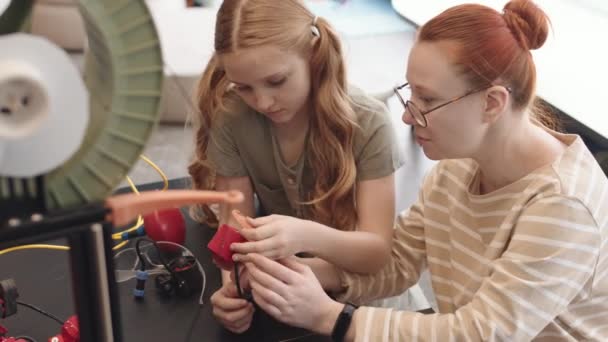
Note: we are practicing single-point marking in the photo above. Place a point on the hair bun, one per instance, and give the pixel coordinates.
(528, 23)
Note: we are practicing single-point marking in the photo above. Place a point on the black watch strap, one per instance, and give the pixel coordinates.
(343, 322)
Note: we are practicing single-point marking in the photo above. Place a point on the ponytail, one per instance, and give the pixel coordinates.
(331, 133)
(211, 90)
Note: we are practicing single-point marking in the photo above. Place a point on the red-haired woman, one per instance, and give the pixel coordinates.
(512, 223)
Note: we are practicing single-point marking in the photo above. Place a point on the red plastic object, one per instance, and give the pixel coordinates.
(220, 245)
(69, 331)
(166, 225)
(4, 331)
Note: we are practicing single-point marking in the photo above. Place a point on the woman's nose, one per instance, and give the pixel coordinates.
(407, 118)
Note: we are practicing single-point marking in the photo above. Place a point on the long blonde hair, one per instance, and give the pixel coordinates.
(243, 24)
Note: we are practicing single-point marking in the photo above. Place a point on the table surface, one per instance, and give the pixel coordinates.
(43, 279)
(571, 65)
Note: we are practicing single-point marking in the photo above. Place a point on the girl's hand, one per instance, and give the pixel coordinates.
(275, 237)
(234, 313)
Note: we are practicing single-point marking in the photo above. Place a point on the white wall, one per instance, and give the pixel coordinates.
(572, 65)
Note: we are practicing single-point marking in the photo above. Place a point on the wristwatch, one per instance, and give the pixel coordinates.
(343, 322)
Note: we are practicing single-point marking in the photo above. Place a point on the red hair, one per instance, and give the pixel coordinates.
(494, 47)
(243, 24)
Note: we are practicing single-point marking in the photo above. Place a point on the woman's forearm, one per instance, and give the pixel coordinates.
(325, 272)
(354, 251)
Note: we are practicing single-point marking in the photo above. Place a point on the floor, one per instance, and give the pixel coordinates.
(375, 63)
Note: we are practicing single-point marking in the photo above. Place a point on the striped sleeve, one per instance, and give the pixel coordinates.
(549, 262)
(407, 262)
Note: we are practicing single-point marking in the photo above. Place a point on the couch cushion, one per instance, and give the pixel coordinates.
(58, 2)
(60, 23)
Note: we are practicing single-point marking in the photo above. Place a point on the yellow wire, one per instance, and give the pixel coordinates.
(115, 236)
(120, 245)
(158, 169)
(55, 247)
(132, 185)
(140, 221)
(37, 246)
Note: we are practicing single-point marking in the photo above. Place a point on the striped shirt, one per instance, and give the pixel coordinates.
(526, 262)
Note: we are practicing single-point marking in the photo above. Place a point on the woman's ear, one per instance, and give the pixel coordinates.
(497, 101)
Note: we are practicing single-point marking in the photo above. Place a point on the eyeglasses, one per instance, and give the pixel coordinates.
(419, 115)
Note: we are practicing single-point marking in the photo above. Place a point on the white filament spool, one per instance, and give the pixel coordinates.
(24, 102)
(44, 108)
(4, 5)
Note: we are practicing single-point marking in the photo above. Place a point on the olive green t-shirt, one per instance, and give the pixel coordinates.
(242, 143)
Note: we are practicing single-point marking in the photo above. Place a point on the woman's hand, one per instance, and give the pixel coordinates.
(289, 291)
(275, 237)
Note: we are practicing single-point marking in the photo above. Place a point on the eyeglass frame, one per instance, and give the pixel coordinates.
(423, 114)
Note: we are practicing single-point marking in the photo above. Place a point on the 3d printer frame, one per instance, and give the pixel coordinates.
(25, 221)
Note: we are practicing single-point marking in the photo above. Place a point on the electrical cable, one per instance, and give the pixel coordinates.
(160, 256)
(40, 311)
(142, 262)
(27, 338)
(140, 222)
(158, 170)
(120, 245)
(189, 253)
(190, 331)
(237, 281)
(34, 246)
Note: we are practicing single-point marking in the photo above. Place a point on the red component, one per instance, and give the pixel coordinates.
(4, 331)
(69, 331)
(166, 225)
(220, 245)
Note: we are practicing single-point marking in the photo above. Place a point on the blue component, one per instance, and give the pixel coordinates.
(136, 233)
(141, 275)
(140, 285)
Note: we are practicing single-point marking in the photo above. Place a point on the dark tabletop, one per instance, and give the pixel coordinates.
(43, 279)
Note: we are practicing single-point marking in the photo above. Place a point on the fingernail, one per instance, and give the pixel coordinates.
(235, 257)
